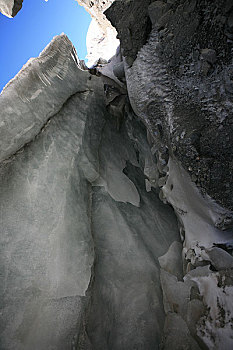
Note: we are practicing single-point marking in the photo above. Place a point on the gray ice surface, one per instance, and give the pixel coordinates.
(80, 236)
(90, 256)
(37, 93)
(126, 304)
(46, 242)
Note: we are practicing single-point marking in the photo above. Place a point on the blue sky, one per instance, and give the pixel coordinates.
(27, 34)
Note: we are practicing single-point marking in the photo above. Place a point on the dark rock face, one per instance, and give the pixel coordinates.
(131, 20)
(191, 43)
(179, 84)
(10, 8)
(96, 9)
(17, 7)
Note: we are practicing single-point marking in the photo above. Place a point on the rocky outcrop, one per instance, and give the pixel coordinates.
(133, 25)
(96, 10)
(10, 8)
(184, 84)
(178, 80)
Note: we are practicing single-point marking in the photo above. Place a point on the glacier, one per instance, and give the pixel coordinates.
(116, 208)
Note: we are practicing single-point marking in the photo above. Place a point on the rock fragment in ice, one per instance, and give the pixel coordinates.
(10, 8)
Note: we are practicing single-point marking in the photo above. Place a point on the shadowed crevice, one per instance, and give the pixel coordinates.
(17, 7)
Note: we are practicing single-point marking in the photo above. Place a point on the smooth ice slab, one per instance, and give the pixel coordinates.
(37, 93)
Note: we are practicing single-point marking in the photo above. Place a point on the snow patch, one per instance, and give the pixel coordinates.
(100, 43)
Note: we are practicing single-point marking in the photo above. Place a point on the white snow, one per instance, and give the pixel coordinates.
(100, 44)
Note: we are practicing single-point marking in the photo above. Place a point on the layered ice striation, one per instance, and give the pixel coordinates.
(46, 242)
(80, 235)
(30, 99)
(92, 253)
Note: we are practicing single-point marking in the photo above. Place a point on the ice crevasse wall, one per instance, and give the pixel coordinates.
(116, 184)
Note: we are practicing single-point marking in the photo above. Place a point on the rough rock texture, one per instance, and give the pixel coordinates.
(180, 104)
(133, 25)
(179, 81)
(96, 10)
(10, 8)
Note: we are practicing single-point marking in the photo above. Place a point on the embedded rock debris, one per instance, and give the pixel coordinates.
(10, 8)
(116, 185)
(179, 84)
(96, 10)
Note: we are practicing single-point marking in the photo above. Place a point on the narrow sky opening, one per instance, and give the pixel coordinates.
(27, 34)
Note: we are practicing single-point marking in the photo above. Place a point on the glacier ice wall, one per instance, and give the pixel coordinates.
(92, 254)
(46, 242)
(80, 235)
